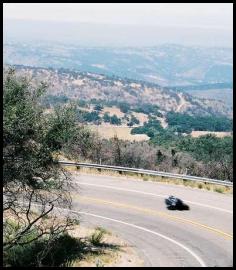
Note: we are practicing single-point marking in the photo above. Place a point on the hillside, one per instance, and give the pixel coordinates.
(218, 91)
(166, 65)
(86, 86)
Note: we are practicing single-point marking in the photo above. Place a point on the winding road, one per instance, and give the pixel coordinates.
(135, 210)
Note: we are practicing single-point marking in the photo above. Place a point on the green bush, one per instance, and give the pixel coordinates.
(200, 185)
(63, 251)
(115, 120)
(97, 237)
(219, 189)
(124, 107)
(186, 123)
(98, 107)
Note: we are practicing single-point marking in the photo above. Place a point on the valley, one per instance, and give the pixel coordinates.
(117, 135)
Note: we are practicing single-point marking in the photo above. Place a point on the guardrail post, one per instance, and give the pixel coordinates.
(143, 172)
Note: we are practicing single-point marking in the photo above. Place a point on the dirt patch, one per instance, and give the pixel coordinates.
(182, 103)
(135, 85)
(78, 82)
(163, 122)
(196, 134)
(119, 254)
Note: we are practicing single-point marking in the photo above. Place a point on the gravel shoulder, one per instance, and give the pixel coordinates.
(116, 252)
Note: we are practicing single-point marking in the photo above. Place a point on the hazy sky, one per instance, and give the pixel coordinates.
(213, 21)
(217, 15)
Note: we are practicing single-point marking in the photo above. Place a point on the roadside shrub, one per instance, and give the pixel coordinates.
(62, 252)
(219, 189)
(200, 185)
(97, 237)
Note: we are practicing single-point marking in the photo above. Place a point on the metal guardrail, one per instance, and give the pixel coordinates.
(149, 172)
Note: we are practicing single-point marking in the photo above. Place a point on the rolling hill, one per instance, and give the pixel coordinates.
(87, 86)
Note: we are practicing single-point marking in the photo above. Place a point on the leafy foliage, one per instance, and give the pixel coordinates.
(98, 107)
(50, 100)
(147, 108)
(150, 128)
(186, 123)
(93, 116)
(124, 107)
(97, 237)
(207, 147)
(64, 250)
(114, 120)
(133, 121)
(30, 173)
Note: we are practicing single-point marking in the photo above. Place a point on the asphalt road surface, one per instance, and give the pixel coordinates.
(135, 210)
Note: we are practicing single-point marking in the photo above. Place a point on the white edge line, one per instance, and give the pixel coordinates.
(152, 194)
(200, 261)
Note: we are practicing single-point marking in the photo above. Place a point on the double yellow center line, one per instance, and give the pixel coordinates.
(154, 213)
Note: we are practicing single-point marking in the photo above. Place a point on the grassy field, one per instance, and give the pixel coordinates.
(108, 131)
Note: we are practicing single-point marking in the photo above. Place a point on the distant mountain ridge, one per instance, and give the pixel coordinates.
(209, 86)
(87, 86)
(166, 65)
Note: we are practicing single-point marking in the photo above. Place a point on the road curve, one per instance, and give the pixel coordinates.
(135, 210)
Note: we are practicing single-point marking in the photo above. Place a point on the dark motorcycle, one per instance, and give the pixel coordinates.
(174, 203)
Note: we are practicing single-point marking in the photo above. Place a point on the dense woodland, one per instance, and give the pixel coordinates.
(185, 123)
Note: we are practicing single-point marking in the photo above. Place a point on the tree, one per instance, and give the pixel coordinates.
(91, 116)
(133, 121)
(173, 152)
(98, 107)
(160, 156)
(124, 107)
(106, 117)
(34, 184)
(117, 150)
(115, 120)
(83, 145)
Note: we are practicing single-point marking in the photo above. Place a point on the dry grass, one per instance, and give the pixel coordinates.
(123, 133)
(115, 251)
(113, 110)
(163, 180)
(111, 251)
(196, 134)
(142, 117)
